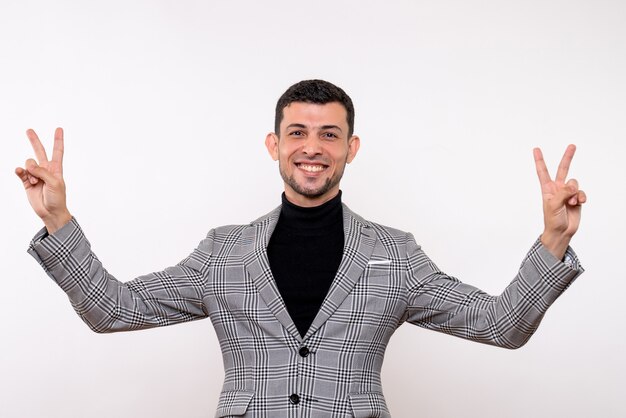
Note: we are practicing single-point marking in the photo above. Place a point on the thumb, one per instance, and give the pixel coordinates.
(39, 172)
(565, 193)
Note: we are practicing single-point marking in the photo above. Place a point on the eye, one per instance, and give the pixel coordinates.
(296, 133)
(329, 135)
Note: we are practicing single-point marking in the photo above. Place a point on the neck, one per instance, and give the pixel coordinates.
(311, 218)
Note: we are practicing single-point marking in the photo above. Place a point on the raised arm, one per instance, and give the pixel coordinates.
(442, 303)
(562, 201)
(44, 184)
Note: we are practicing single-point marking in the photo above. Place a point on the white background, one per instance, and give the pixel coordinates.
(166, 105)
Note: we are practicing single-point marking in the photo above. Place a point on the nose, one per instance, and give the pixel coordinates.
(312, 146)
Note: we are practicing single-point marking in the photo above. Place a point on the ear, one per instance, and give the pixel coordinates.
(271, 143)
(353, 147)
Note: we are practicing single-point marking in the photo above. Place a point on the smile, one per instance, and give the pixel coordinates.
(311, 168)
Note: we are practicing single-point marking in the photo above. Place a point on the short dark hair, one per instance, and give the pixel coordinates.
(318, 92)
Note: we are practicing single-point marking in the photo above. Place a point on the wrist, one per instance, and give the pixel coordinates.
(55, 222)
(556, 243)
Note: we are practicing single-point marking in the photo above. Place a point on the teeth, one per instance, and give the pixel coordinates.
(311, 168)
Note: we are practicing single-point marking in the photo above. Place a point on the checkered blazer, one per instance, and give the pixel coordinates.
(271, 371)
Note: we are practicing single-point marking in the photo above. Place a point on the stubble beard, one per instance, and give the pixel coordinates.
(308, 191)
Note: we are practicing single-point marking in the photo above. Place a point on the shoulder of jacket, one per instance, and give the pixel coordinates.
(379, 229)
(266, 219)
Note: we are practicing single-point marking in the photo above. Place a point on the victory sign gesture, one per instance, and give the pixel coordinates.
(562, 202)
(43, 182)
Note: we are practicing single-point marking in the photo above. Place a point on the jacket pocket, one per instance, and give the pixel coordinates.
(369, 405)
(233, 403)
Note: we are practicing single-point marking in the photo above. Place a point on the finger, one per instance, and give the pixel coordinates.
(57, 151)
(540, 165)
(573, 183)
(566, 194)
(23, 176)
(573, 186)
(578, 199)
(40, 151)
(38, 172)
(32, 179)
(563, 169)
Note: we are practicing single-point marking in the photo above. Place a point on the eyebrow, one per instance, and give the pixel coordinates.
(296, 125)
(323, 127)
(331, 127)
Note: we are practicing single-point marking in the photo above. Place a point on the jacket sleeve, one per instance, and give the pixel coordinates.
(442, 303)
(107, 305)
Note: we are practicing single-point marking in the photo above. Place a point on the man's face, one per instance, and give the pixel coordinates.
(312, 150)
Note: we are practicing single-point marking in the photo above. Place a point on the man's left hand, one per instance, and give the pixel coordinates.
(562, 203)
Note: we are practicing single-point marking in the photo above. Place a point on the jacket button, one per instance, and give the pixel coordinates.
(304, 352)
(294, 399)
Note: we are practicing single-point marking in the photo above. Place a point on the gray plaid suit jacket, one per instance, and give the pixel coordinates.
(334, 370)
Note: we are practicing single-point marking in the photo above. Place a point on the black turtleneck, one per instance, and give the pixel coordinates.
(304, 252)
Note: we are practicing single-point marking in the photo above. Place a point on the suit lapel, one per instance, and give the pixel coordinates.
(359, 243)
(358, 247)
(258, 266)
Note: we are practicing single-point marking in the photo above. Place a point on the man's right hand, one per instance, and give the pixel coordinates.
(44, 183)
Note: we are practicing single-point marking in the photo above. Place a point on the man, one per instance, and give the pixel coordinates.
(305, 299)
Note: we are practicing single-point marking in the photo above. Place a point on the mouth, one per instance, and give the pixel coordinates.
(311, 168)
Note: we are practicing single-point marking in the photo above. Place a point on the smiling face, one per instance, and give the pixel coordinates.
(312, 149)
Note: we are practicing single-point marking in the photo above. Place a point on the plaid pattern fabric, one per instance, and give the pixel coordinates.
(384, 279)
